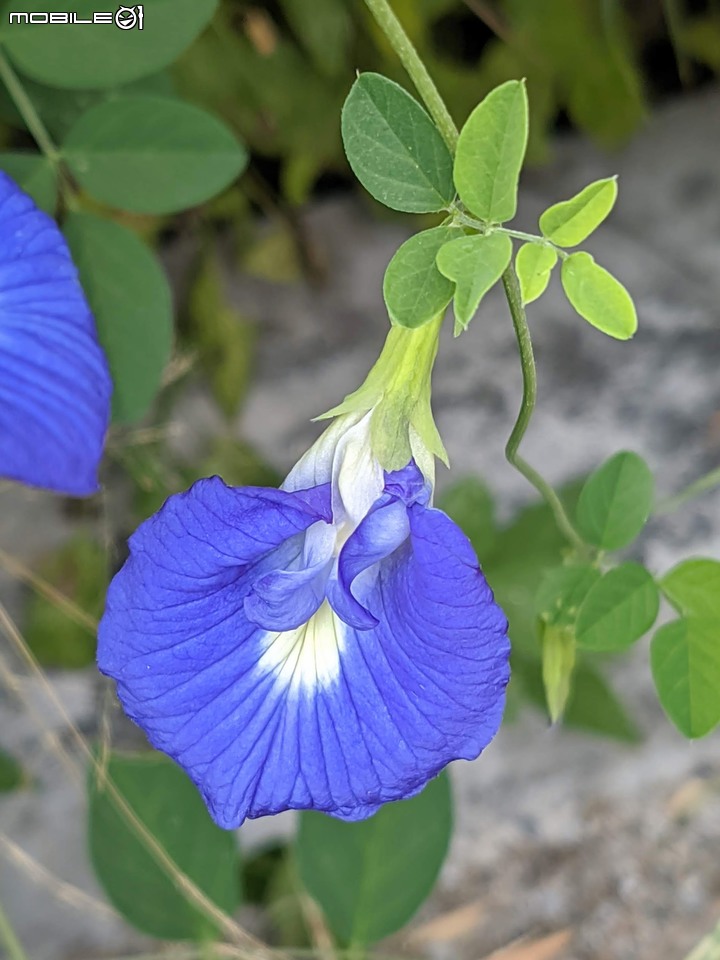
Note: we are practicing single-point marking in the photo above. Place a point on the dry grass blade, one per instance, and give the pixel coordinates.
(18, 570)
(549, 947)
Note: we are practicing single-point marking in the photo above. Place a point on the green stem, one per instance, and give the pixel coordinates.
(27, 110)
(697, 487)
(527, 362)
(408, 55)
(9, 938)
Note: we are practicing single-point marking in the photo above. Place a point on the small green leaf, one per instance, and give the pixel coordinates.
(394, 148)
(618, 610)
(171, 808)
(371, 876)
(130, 297)
(34, 174)
(474, 264)
(490, 153)
(572, 221)
(685, 660)
(693, 588)
(558, 662)
(414, 289)
(534, 264)
(470, 504)
(562, 591)
(598, 297)
(11, 773)
(616, 501)
(81, 56)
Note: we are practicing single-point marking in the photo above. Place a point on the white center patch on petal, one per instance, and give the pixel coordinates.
(307, 657)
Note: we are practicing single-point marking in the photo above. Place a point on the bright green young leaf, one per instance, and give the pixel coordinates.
(616, 501)
(685, 660)
(470, 504)
(11, 773)
(371, 876)
(474, 264)
(414, 289)
(324, 29)
(618, 610)
(558, 662)
(598, 297)
(35, 174)
(562, 591)
(130, 298)
(152, 155)
(534, 264)
(170, 807)
(490, 153)
(89, 57)
(572, 221)
(394, 148)
(693, 588)
(79, 571)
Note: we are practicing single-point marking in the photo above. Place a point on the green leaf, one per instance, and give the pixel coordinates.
(470, 504)
(572, 221)
(130, 298)
(616, 502)
(394, 148)
(598, 297)
(81, 56)
(35, 175)
(170, 807)
(685, 660)
(11, 773)
(414, 289)
(693, 588)
(78, 570)
(562, 592)
(558, 662)
(474, 264)
(371, 876)
(534, 264)
(490, 153)
(618, 610)
(152, 154)
(324, 29)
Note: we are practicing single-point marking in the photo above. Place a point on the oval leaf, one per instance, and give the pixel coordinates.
(84, 56)
(598, 297)
(693, 588)
(130, 297)
(490, 153)
(474, 264)
(35, 175)
(371, 876)
(414, 289)
(394, 148)
(152, 154)
(616, 501)
(562, 591)
(685, 660)
(171, 808)
(572, 221)
(534, 264)
(618, 610)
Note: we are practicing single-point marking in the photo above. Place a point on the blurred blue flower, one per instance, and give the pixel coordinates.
(54, 382)
(331, 645)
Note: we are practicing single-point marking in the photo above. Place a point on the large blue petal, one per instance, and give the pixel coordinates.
(54, 382)
(323, 717)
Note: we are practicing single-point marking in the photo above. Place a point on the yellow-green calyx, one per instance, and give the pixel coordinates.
(397, 390)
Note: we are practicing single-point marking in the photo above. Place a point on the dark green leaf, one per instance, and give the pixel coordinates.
(469, 503)
(35, 174)
(474, 264)
(170, 807)
(685, 659)
(618, 610)
(414, 289)
(693, 588)
(534, 263)
(152, 154)
(490, 153)
(11, 773)
(598, 297)
(572, 221)
(130, 298)
(324, 29)
(394, 148)
(371, 876)
(616, 502)
(81, 56)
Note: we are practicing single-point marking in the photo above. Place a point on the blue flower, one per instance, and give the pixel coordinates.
(331, 645)
(54, 382)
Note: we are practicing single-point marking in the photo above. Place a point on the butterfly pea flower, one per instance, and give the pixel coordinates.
(330, 645)
(54, 381)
